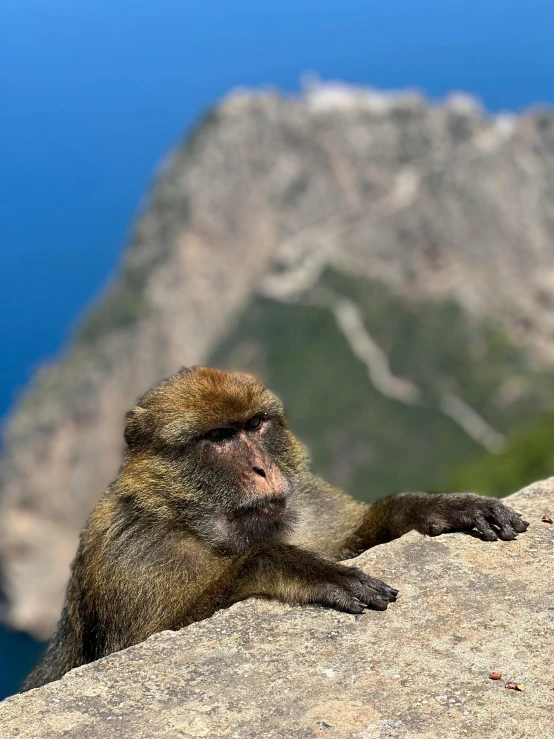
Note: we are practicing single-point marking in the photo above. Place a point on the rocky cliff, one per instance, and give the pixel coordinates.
(384, 263)
(467, 609)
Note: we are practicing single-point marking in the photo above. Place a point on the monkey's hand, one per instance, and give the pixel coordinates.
(351, 590)
(298, 577)
(433, 514)
(492, 519)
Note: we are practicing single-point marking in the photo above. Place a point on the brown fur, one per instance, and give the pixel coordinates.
(216, 502)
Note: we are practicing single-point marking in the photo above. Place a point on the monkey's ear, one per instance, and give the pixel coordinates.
(138, 427)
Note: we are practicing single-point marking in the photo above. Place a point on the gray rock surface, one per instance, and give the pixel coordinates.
(261, 669)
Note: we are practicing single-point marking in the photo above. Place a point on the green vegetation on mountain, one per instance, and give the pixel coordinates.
(529, 455)
(122, 305)
(371, 444)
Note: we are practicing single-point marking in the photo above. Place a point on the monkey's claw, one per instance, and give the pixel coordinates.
(353, 591)
(491, 518)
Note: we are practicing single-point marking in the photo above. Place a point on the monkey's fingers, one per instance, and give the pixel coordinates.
(485, 529)
(351, 590)
(492, 519)
(372, 592)
(518, 523)
(355, 591)
(340, 598)
(374, 585)
(509, 523)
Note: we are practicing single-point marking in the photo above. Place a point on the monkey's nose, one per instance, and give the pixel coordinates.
(259, 471)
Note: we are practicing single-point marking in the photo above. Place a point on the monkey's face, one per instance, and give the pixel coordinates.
(243, 484)
(231, 461)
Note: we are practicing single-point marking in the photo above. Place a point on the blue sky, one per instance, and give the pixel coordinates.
(94, 92)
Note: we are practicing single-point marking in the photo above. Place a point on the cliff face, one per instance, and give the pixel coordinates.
(420, 670)
(386, 265)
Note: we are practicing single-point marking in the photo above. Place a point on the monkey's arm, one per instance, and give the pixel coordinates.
(298, 577)
(433, 514)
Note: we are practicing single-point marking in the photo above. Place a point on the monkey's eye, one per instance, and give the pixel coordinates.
(217, 435)
(254, 423)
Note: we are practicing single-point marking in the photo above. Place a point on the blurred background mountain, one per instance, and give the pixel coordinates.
(384, 261)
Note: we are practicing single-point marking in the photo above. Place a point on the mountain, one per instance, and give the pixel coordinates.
(385, 264)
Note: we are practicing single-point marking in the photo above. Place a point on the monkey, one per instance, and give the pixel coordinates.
(216, 502)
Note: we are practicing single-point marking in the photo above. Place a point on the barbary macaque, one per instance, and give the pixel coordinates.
(216, 502)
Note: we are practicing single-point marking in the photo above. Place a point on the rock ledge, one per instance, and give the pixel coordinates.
(421, 669)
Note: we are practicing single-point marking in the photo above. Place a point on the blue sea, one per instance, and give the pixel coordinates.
(18, 655)
(95, 92)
